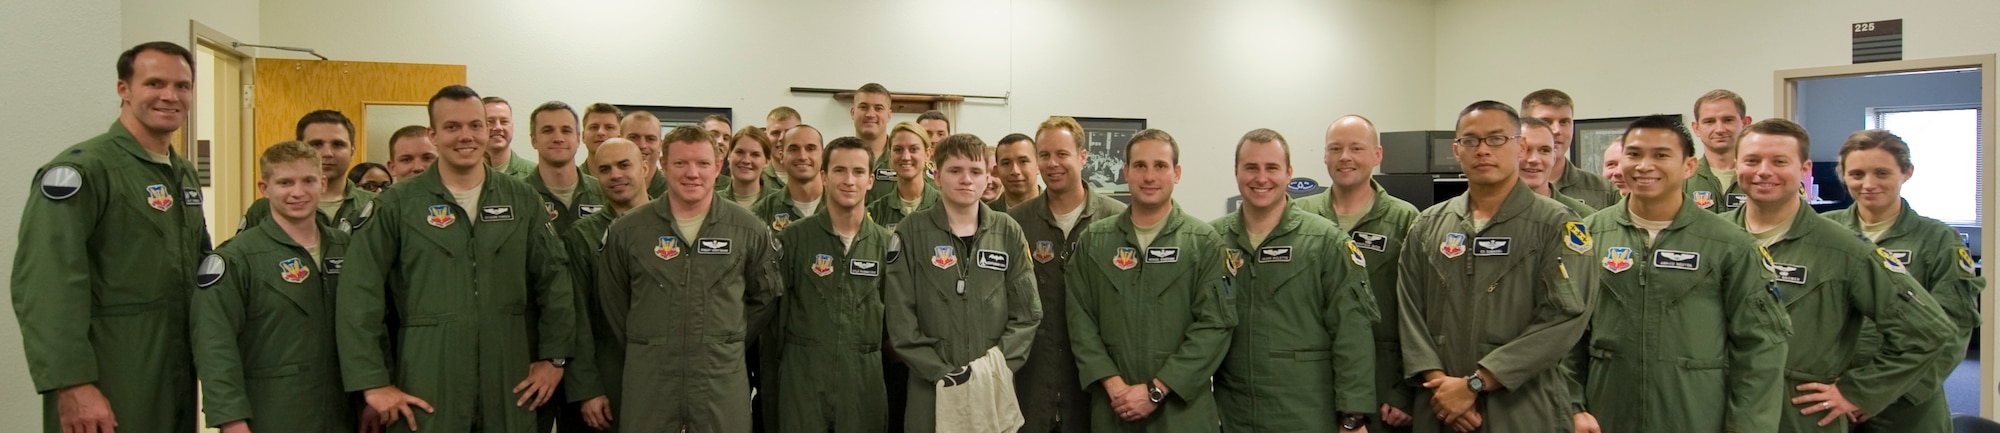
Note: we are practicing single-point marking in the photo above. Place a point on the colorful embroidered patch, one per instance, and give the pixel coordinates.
(1453, 245)
(943, 257)
(1045, 251)
(1617, 259)
(667, 249)
(822, 265)
(440, 216)
(1126, 259)
(293, 270)
(158, 198)
(1965, 261)
(1889, 261)
(1576, 237)
(1354, 253)
(1704, 199)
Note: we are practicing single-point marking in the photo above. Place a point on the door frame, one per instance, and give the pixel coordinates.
(229, 163)
(1785, 82)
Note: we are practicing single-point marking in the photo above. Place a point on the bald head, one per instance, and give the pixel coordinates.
(1353, 149)
(614, 149)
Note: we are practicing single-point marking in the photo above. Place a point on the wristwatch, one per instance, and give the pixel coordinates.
(1478, 385)
(1155, 394)
(1353, 421)
(559, 362)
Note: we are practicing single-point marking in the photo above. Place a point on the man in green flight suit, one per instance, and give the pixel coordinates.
(1302, 358)
(968, 305)
(830, 325)
(1687, 335)
(1875, 165)
(110, 238)
(343, 205)
(908, 148)
(500, 149)
(870, 114)
(459, 256)
(1014, 164)
(1052, 398)
(568, 194)
(1489, 305)
(596, 375)
(1150, 310)
(687, 284)
(1556, 109)
(263, 330)
(1719, 121)
(642, 128)
(1538, 155)
(1830, 280)
(1377, 223)
(804, 188)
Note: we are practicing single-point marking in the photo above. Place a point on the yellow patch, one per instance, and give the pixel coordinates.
(1564, 269)
(1354, 254)
(1889, 261)
(1576, 237)
(1965, 261)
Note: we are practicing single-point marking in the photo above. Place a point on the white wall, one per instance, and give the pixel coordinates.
(1205, 72)
(1620, 58)
(61, 82)
(167, 20)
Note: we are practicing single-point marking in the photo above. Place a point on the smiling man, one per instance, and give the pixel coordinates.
(1829, 280)
(803, 190)
(1489, 306)
(831, 371)
(567, 193)
(1719, 122)
(1538, 159)
(1555, 108)
(642, 128)
(1014, 164)
(411, 152)
(1303, 354)
(598, 373)
(600, 122)
(870, 113)
(117, 224)
(1053, 398)
(341, 205)
(458, 254)
(500, 146)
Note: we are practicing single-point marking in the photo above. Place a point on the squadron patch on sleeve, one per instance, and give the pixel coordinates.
(209, 272)
(1889, 261)
(1576, 237)
(61, 182)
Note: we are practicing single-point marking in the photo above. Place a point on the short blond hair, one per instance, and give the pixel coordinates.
(1062, 122)
(286, 153)
(638, 116)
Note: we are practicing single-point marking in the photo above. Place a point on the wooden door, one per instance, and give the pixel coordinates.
(288, 89)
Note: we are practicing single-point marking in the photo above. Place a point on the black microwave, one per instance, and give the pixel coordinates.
(1418, 152)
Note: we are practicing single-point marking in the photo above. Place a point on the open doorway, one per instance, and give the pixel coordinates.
(218, 127)
(1943, 109)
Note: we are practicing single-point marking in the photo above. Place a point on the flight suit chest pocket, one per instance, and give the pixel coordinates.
(147, 198)
(1679, 282)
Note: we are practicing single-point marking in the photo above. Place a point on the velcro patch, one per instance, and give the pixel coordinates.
(61, 182)
(863, 268)
(712, 246)
(1163, 255)
(1495, 246)
(1274, 255)
(993, 260)
(1794, 274)
(496, 213)
(209, 272)
(1682, 260)
(1372, 241)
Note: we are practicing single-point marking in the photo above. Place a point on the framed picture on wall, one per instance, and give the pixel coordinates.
(1592, 136)
(1106, 146)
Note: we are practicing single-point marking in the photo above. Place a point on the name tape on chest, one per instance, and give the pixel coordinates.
(1277, 254)
(1902, 256)
(712, 246)
(1492, 246)
(1790, 273)
(191, 196)
(992, 260)
(1163, 255)
(864, 268)
(333, 265)
(496, 213)
(1371, 241)
(1682, 260)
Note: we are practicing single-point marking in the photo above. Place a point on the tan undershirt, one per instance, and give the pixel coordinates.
(1652, 228)
(329, 205)
(806, 208)
(1348, 220)
(1770, 237)
(468, 200)
(1257, 239)
(565, 195)
(691, 227)
(1874, 231)
(1147, 233)
(745, 200)
(161, 158)
(1068, 221)
(1479, 224)
(314, 252)
(1726, 177)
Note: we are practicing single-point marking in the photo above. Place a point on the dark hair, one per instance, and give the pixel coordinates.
(934, 115)
(753, 133)
(1784, 128)
(1665, 123)
(1013, 138)
(1547, 97)
(495, 100)
(1259, 135)
(873, 88)
(1513, 117)
(455, 92)
(826, 153)
(1530, 122)
(600, 107)
(966, 146)
(163, 47)
(354, 174)
(323, 116)
(687, 134)
(1878, 139)
(1153, 134)
(547, 107)
(412, 131)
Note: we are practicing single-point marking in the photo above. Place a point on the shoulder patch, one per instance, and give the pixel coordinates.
(1576, 237)
(895, 248)
(1354, 254)
(1965, 261)
(61, 182)
(1889, 261)
(209, 272)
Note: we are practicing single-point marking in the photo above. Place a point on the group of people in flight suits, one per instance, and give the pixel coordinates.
(695, 279)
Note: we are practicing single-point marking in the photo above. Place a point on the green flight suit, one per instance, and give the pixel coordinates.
(1586, 187)
(1380, 234)
(461, 284)
(1938, 259)
(1304, 349)
(777, 211)
(1830, 280)
(1571, 203)
(587, 199)
(108, 244)
(599, 362)
(724, 191)
(1687, 335)
(658, 186)
(263, 335)
(354, 211)
(1706, 189)
(517, 167)
(685, 306)
(888, 210)
(1164, 311)
(830, 326)
(885, 178)
(1503, 298)
(1052, 399)
(933, 325)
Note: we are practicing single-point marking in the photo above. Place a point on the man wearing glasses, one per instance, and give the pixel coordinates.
(1488, 305)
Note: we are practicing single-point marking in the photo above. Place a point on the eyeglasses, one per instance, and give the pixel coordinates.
(373, 186)
(1493, 141)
